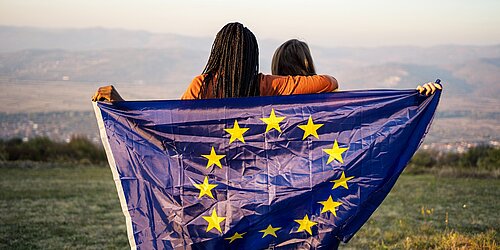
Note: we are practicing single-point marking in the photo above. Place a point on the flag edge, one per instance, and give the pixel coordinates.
(116, 177)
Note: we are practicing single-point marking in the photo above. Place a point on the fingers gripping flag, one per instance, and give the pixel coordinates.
(253, 173)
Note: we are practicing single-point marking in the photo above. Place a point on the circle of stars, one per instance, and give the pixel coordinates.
(273, 122)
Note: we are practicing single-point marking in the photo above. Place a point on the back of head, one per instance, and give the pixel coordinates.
(233, 66)
(293, 58)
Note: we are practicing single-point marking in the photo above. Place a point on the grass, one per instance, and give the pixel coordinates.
(60, 208)
(455, 172)
(78, 208)
(425, 212)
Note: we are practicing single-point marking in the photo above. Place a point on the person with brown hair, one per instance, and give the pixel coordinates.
(293, 58)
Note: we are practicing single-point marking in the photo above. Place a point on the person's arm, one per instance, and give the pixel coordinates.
(107, 94)
(429, 88)
(289, 85)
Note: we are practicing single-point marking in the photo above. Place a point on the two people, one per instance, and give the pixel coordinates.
(232, 70)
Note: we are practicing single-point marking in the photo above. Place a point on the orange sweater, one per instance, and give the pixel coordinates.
(277, 85)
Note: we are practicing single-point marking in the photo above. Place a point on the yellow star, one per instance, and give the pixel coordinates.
(213, 158)
(305, 224)
(270, 230)
(236, 132)
(330, 205)
(335, 153)
(235, 237)
(273, 122)
(310, 128)
(214, 221)
(205, 188)
(342, 181)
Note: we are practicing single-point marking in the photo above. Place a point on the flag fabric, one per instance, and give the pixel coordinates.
(285, 172)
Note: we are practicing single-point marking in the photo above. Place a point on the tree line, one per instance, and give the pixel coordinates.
(481, 158)
(80, 149)
(42, 149)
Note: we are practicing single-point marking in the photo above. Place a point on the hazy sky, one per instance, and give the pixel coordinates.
(328, 23)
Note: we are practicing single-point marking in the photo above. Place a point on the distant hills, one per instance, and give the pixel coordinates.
(122, 56)
(22, 38)
(150, 66)
(34, 61)
(178, 65)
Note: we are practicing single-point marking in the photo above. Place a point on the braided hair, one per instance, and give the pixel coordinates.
(233, 66)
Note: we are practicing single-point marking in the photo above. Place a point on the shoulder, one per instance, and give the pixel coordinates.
(198, 79)
(194, 88)
(269, 84)
(288, 85)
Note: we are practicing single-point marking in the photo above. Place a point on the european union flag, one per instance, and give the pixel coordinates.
(303, 171)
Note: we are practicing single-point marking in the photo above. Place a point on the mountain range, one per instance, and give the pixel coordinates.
(41, 68)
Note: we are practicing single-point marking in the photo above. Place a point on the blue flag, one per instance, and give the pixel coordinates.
(302, 171)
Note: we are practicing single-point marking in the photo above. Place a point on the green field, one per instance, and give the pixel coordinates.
(78, 208)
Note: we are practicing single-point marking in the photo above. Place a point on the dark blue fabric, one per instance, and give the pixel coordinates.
(272, 178)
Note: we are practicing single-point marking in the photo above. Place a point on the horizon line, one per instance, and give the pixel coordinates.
(62, 28)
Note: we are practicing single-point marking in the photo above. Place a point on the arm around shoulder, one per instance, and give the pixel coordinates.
(315, 84)
(291, 85)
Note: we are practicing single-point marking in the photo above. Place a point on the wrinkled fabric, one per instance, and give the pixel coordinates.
(273, 178)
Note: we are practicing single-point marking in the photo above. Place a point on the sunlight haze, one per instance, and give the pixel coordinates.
(325, 23)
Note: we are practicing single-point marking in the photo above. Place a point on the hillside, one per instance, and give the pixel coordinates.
(21, 38)
(122, 56)
(46, 70)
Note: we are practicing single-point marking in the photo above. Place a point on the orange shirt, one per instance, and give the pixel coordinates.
(271, 85)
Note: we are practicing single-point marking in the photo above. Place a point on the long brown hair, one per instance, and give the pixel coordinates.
(233, 66)
(293, 58)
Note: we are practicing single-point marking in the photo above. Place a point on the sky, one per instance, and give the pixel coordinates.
(330, 23)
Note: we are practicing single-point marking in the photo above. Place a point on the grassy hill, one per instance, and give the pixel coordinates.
(77, 207)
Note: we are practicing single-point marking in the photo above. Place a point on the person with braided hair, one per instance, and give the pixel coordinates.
(232, 67)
